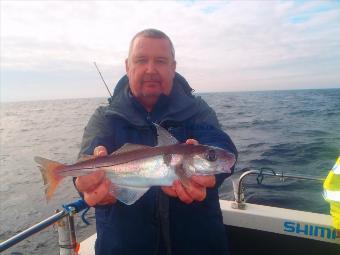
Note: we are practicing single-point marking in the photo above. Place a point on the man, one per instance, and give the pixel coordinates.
(166, 220)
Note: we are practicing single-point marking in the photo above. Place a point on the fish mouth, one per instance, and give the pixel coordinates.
(224, 167)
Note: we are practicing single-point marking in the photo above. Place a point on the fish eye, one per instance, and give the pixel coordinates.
(211, 155)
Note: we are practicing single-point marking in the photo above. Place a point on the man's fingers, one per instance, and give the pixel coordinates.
(109, 198)
(191, 141)
(100, 151)
(170, 191)
(182, 194)
(98, 194)
(188, 193)
(95, 186)
(89, 182)
(208, 181)
(196, 191)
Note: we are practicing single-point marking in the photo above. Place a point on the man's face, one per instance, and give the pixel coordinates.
(151, 69)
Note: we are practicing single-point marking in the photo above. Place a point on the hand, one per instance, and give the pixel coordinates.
(195, 189)
(95, 186)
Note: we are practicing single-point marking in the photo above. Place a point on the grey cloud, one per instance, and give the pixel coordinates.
(238, 42)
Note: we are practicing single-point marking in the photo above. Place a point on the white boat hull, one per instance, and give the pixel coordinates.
(261, 227)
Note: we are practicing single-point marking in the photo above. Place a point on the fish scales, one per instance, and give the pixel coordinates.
(128, 156)
(133, 169)
(142, 173)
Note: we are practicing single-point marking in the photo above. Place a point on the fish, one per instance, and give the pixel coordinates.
(134, 168)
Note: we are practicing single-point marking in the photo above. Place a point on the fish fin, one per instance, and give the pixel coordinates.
(129, 147)
(49, 171)
(128, 195)
(184, 178)
(164, 137)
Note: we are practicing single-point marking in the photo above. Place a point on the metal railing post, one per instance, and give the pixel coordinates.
(67, 237)
(32, 230)
(239, 202)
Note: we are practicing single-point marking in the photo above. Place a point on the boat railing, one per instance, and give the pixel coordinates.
(64, 219)
(261, 173)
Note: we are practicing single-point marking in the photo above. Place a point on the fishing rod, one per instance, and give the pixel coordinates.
(101, 76)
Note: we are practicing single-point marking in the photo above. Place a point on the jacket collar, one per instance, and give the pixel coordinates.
(178, 106)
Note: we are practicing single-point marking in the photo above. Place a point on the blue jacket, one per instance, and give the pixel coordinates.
(156, 223)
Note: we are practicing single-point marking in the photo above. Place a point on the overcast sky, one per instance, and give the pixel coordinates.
(48, 47)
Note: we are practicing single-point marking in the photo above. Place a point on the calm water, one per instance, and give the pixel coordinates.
(292, 131)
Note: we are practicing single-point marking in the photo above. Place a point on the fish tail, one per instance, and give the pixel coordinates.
(50, 173)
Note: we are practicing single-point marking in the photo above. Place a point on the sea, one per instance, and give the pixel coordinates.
(294, 132)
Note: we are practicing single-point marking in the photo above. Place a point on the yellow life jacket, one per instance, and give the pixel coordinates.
(332, 193)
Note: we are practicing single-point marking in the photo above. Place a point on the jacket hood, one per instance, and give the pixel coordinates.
(178, 106)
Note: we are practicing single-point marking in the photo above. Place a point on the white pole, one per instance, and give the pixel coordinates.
(67, 238)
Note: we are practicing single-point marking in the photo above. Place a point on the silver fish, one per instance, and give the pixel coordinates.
(133, 168)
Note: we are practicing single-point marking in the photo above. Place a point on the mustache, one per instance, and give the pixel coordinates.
(151, 78)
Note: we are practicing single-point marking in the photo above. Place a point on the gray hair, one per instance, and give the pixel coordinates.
(152, 33)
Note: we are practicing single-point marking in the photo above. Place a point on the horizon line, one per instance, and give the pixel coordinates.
(206, 92)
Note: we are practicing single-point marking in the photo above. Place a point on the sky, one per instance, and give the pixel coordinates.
(48, 47)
